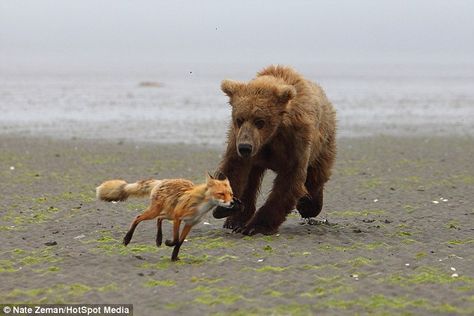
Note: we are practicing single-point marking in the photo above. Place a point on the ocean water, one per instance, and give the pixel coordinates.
(188, 106)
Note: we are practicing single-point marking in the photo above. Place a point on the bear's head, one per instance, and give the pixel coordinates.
(258, 108)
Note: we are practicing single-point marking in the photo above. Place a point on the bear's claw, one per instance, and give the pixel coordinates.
(233, 224)
(251, 230)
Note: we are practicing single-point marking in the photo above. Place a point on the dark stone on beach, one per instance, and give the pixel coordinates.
(51, 243)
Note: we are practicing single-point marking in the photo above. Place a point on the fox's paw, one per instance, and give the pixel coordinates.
(158, 240)
(170, 243)
(127, 238)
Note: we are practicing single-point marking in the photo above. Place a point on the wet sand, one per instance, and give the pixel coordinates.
(398, 238)
(422, 100)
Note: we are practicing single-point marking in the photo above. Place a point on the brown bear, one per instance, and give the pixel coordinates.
(285, 123)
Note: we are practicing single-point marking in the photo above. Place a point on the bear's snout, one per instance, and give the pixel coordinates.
(245, 150)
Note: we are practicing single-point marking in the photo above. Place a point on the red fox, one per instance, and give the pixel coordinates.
(173, 199)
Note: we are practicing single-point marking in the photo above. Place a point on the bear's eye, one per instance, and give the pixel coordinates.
(239, 122)
(259, 123)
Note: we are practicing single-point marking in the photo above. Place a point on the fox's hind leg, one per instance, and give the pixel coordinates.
(171, 243)
(151, 212)
(159, 233)
(182, 237)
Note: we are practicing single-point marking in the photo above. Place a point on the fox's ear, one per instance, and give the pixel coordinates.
(284, 93)
(209, 177)
(230, 87)
(220, 176)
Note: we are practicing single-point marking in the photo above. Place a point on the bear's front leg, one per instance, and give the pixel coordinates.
(287, 188)
(249, 199)
(239, 217)
(237, 171)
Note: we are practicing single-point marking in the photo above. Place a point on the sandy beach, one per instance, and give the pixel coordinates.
(98, 90)
(395, 237)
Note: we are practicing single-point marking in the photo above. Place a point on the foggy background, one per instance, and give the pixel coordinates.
(136, 34)
(73, 68)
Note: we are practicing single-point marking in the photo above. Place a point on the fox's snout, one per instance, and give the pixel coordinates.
(230, 204)
(225, 203)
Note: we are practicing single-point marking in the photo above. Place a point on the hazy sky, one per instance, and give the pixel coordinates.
(132, 32)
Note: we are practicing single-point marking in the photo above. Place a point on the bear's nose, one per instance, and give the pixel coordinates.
(245, 150)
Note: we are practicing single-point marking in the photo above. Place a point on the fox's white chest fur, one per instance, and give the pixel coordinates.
(201, 210)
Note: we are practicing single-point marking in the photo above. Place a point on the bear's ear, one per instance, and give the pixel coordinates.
(285, 93)
(230, 87)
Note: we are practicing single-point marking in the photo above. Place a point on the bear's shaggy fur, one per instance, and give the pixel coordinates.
(282, 122)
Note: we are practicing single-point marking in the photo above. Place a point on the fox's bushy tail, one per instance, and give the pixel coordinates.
(120, 190)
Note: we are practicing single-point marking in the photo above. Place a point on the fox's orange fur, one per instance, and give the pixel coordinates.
(178, 200)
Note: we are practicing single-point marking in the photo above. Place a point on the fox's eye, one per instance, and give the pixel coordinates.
(222, 195)
(259, 123)
(239, 122)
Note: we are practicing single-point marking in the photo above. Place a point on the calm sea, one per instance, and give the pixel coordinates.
(184, 104)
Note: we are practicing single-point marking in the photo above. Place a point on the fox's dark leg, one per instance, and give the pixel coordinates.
(159, 233)
(150, 213)
(249, 199)
(182, 237)
(171, 243)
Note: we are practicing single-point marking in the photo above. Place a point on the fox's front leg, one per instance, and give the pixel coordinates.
(182, 237)
(171, 243)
